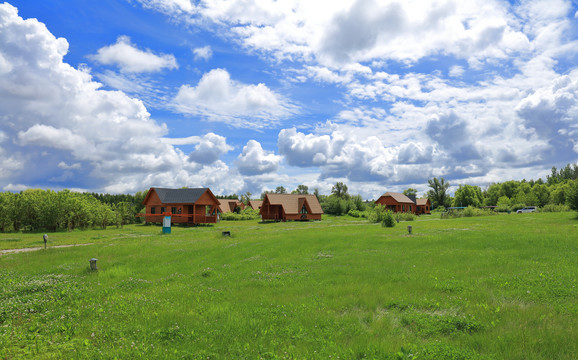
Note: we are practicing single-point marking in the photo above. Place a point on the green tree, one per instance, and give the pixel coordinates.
(280, 190)
(492, 194)
(438, 195)
(301, 190)
(6, 211)
(509, 188)
(572, 195)
(340, 190)
(246, 198)
(410, 192)
(468, 195)
(542, 194)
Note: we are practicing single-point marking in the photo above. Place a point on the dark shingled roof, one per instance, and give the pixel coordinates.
(179, 196)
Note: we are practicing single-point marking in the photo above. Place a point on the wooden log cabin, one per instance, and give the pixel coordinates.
(185, 206)
(283, 207)
(397, 202)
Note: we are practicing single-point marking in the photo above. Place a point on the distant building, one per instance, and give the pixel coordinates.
(255, 204)
(283, 207)
(230, 205)
(397, 202)
(423, 206)
(187, 206)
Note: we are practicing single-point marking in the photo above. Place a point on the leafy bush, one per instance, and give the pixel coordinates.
(246, 214)
(407, 216)
(377, 215)
(334, 205)
(388, 219)
(358, 214)
(555, 208)
(470, 211)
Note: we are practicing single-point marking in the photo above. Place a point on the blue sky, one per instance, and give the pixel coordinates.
(247, 95)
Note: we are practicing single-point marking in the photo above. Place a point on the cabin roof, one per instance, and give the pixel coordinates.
(291, 202)
(422, 201)
(255, 204)
(225, 205)
(178, 196)
(400, 198)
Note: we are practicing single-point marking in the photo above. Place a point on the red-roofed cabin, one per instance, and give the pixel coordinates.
(283, 207)
(185, 206)
(423, 206)
(396, 202)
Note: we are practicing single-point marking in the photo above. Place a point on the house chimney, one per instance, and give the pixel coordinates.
(412, 198)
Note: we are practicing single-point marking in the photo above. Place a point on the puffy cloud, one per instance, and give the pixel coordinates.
(56, 120)
(209, 148)
(456, 71)
(130, 59)
(219, 98)
(551, 113)
(339, 32)
(452, 133)
(204, 53)
(256, 161)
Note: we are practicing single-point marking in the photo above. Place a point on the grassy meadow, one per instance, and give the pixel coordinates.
(495, 287)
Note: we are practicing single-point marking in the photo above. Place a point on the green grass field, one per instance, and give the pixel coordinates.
(497, 287)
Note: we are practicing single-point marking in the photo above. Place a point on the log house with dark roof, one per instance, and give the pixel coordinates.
(185, 206)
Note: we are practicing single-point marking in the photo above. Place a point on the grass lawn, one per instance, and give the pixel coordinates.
(497, 287)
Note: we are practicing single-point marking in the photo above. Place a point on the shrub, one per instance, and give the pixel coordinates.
(555, 208)
(405, 216)
(377, 215)
(388, 219)
(358, 214)
(470, 211)
(246, 214)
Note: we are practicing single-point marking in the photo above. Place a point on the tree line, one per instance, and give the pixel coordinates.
(559, 189)
(36, 209)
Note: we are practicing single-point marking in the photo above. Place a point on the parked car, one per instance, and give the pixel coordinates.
(526, 210)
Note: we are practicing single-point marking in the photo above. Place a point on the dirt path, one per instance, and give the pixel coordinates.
(13, 251)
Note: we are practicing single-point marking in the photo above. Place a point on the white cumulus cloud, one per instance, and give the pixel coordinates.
(256, 161)
(219, 98)
(56, 119)
(203, 53)
(129, 58)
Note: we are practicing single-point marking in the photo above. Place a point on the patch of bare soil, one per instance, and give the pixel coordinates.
(13, 251)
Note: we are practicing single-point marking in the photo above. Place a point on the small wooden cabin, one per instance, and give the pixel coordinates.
(423, 206)
(186, 206)
(283, 207)
(255, 204)
(396, 202)
(230, 205)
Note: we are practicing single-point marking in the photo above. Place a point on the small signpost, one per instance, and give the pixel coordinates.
(45, 237)
(167, 225)
(409, 228)
(93, 264)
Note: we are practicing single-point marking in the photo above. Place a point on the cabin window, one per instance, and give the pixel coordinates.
(173, 210)
(410, 208)
(163, 210)
(403, 208)
(153, 210)
(304, 209)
